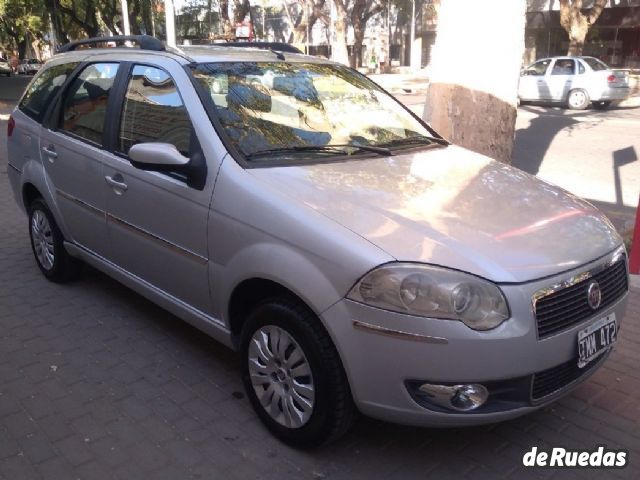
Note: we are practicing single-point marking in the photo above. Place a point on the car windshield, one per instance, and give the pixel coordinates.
(278, 110)
(595, 64)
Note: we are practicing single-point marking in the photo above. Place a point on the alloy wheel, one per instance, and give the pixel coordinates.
(42, 237)
(281, 376)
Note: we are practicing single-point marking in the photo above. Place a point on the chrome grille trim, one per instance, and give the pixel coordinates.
(562, 305)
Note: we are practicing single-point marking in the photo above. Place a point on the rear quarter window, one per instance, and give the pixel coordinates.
(43, 89)
(595, 64)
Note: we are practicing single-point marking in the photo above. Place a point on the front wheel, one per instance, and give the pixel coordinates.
(578, 99)
(293, 375)
(47, 244)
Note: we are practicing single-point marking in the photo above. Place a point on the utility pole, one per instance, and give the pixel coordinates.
(125, 17)
(170, 22)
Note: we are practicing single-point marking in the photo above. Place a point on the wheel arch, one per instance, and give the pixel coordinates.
(29, 193)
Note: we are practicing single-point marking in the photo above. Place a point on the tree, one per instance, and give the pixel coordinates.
(308, 15)
(576, 23)
(473, 90)
(22, 22)
(361, 12)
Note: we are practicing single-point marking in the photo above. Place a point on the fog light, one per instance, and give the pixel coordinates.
(462, 398)
(469, 397)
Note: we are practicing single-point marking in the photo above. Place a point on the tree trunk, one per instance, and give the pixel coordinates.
(227, 28)
(577, 35)
(465, 104)
(576, 23)
(339, 52)
(358, 39)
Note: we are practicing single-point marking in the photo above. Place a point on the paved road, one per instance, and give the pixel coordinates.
(97, 383)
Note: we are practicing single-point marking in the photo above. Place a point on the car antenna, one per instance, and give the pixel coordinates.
(279, 55)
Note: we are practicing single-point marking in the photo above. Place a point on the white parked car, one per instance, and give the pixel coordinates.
(29, 66)
(5, 67)
(573, 81)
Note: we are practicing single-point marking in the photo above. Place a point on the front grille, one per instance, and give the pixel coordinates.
(569, 306)
(556, 378)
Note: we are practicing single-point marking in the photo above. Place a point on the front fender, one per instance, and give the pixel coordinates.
(281, 264)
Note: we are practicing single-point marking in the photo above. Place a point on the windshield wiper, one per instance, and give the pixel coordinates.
(331, 149)
(415, 140)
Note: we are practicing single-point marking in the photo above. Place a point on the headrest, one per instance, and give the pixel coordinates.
(300, 87)
(248, 96)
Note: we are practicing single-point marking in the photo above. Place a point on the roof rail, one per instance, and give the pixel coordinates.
(145, 42)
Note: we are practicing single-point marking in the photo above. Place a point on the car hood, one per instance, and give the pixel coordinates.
(455, 208)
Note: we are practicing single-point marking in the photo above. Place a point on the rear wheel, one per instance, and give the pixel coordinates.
(47, 245)
(578, 99)
(293, 376)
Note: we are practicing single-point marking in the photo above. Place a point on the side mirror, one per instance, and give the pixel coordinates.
(157, 155)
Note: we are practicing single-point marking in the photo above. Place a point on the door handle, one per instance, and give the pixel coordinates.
(50, 151)
(115, 183)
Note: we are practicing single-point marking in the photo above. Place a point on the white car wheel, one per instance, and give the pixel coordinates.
(578, 99)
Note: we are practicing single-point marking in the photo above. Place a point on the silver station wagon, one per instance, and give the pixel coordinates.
(295, 211)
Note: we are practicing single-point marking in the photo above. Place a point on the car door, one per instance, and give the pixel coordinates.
(560, 78)
(34, 105)
(533, 84)
(157, 220)
(72, 152)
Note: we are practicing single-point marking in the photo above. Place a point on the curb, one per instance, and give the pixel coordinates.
(634, 281)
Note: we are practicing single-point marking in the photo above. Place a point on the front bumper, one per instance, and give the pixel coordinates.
(386, 353)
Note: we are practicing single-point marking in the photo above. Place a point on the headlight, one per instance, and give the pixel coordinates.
(434, 292)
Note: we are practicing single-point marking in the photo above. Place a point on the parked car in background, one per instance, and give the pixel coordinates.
(575, 82)
(292, 209)
(5, 67)
(29, 66)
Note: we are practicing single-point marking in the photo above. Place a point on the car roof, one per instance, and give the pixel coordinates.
(568, 57)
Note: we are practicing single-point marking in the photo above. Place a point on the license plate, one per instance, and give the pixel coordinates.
(596, 339)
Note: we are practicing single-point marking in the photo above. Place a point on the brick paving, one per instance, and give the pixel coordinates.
(98, 383)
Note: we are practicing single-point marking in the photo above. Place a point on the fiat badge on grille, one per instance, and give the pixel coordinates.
(594, 295)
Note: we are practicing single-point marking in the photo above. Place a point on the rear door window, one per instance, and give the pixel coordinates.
(43, 89)
(595, 64)
(84, 105)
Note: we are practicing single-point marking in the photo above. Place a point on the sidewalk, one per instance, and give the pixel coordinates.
(399, 83)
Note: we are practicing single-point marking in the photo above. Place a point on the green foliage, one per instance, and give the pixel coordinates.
(21, 21)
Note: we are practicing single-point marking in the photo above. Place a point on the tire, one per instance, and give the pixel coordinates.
(281, 378)
(47, 245)
(578, 99)
(602, 105)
